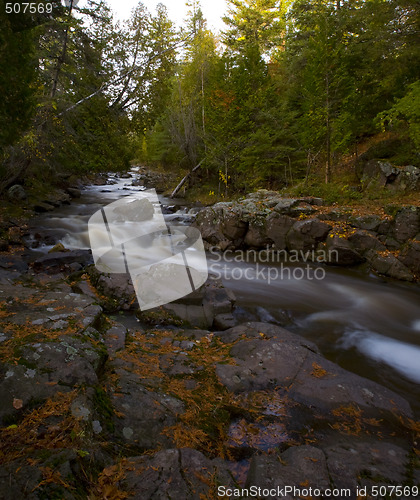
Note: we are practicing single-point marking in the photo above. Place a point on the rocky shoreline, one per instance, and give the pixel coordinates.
(100, 400)
(95, 408)
(387, 242)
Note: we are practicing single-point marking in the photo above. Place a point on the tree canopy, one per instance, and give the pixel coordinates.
(288, 88)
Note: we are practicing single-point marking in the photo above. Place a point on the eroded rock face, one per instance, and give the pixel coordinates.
(266, 220)
(286, 360)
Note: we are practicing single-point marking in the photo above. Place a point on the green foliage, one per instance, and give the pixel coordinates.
(405, 114)
(293, 88)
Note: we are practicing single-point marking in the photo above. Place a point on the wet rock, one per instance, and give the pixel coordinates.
(306, 234)
(389, 265)
(42, 207)
(341, 253)
(362, 241)
(59, 247)
(57, 198)
(16, 193)
(220, 299)
(273, 357)
(407, 223)
(256, 236)
(59, 261)
(331, 386)
(263, 364)
(175, 473)
(202, 306)
(367, 222)
(196, 315)
(277, 228)
(74, 192)
(224, 321)
(410, 256)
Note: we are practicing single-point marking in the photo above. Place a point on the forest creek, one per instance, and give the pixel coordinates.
(100, 400)
(209, 249)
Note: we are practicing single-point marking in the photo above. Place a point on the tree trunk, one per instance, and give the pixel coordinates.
(61, 58)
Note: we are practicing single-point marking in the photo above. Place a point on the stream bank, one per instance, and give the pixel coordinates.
(99, 404)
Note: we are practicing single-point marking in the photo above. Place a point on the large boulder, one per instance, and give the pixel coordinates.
(256, 236)
(306, 234)
(222, 224)
(407, 223)
(388, 265)
(340, 251)
(362, 241)
(378, 173)
(277, 228)
(269, 357)
(16, 193)
(410, 256)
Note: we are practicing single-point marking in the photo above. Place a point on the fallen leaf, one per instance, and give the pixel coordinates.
(17, 404)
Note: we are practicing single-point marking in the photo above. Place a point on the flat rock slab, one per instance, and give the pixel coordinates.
(175, 473)
(280, 358)
(141, 414)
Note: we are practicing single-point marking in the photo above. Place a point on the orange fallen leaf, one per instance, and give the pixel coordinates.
(17, 403)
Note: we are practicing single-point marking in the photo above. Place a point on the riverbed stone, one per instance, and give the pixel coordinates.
(363, 240)
(42, 207)
(278, 227)
(340, 251)
(306, 234)
(388, 265)
(256, 236)
(56, 262)
(281, 359)
(224, 321)
(410, 256)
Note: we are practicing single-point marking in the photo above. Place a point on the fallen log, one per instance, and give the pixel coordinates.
(175, 191)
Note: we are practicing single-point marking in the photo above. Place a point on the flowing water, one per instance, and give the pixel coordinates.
(366, 324)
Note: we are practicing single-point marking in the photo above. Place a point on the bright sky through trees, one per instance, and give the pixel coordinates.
(213, 10)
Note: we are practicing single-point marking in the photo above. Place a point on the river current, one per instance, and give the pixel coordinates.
(368, 325)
